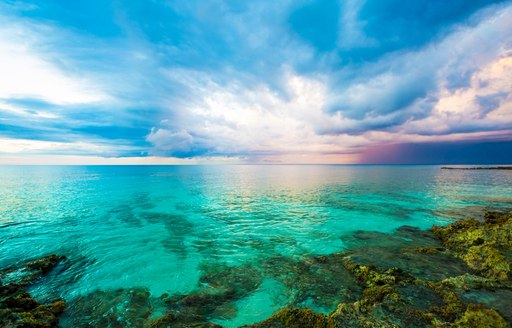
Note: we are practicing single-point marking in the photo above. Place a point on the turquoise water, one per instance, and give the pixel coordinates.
(159, 227)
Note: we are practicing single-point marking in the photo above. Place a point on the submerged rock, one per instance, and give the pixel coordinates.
(322, 281)
(17, 307)
(114, 308)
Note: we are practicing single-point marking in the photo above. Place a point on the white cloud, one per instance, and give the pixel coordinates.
(27, 146)
(177, 141)
(256, 121)
(27, 69)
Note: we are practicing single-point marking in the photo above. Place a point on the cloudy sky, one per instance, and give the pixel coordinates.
(212, 81)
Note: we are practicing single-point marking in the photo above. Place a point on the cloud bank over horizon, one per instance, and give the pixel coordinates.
(255, 82)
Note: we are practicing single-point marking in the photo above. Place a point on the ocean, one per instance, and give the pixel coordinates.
(167, 230)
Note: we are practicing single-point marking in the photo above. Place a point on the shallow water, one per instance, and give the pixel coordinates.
(166, 228)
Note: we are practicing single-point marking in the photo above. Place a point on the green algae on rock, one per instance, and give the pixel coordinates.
(294, 318)
(482, 245)
(479, 316)
(17, 307)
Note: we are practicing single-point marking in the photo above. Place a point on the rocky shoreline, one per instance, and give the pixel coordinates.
(442, 277)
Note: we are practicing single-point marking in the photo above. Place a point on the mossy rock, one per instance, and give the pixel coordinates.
(423, 250)
(370, 275)
(453, 306)
(477, 315)
(376, 294)
(488, 261)
(482, 245)
(469, 281)
(174, 320)
(294, 318)
(357, 315)
(17, 307)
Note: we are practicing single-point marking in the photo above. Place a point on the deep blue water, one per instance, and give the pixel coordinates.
(157, 226)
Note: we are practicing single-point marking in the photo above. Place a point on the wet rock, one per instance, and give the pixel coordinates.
(221, 286)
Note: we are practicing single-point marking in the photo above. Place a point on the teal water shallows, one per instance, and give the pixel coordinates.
(162, 227)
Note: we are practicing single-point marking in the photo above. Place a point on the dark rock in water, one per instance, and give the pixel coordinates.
(221, 287)
(176, 320)
(405, 236)
(29, 271)
(17, 307)
(320, 280)
(241, 280)
(178, 227)
(411, 249)
(115, 308)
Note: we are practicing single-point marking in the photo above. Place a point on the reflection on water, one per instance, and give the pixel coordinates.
(167, 230)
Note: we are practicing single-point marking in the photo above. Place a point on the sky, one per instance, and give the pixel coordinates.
(269, 82)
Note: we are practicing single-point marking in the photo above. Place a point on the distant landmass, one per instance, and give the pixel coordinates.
(478, 168)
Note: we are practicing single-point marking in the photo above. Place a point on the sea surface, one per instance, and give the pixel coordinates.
(161, 227)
